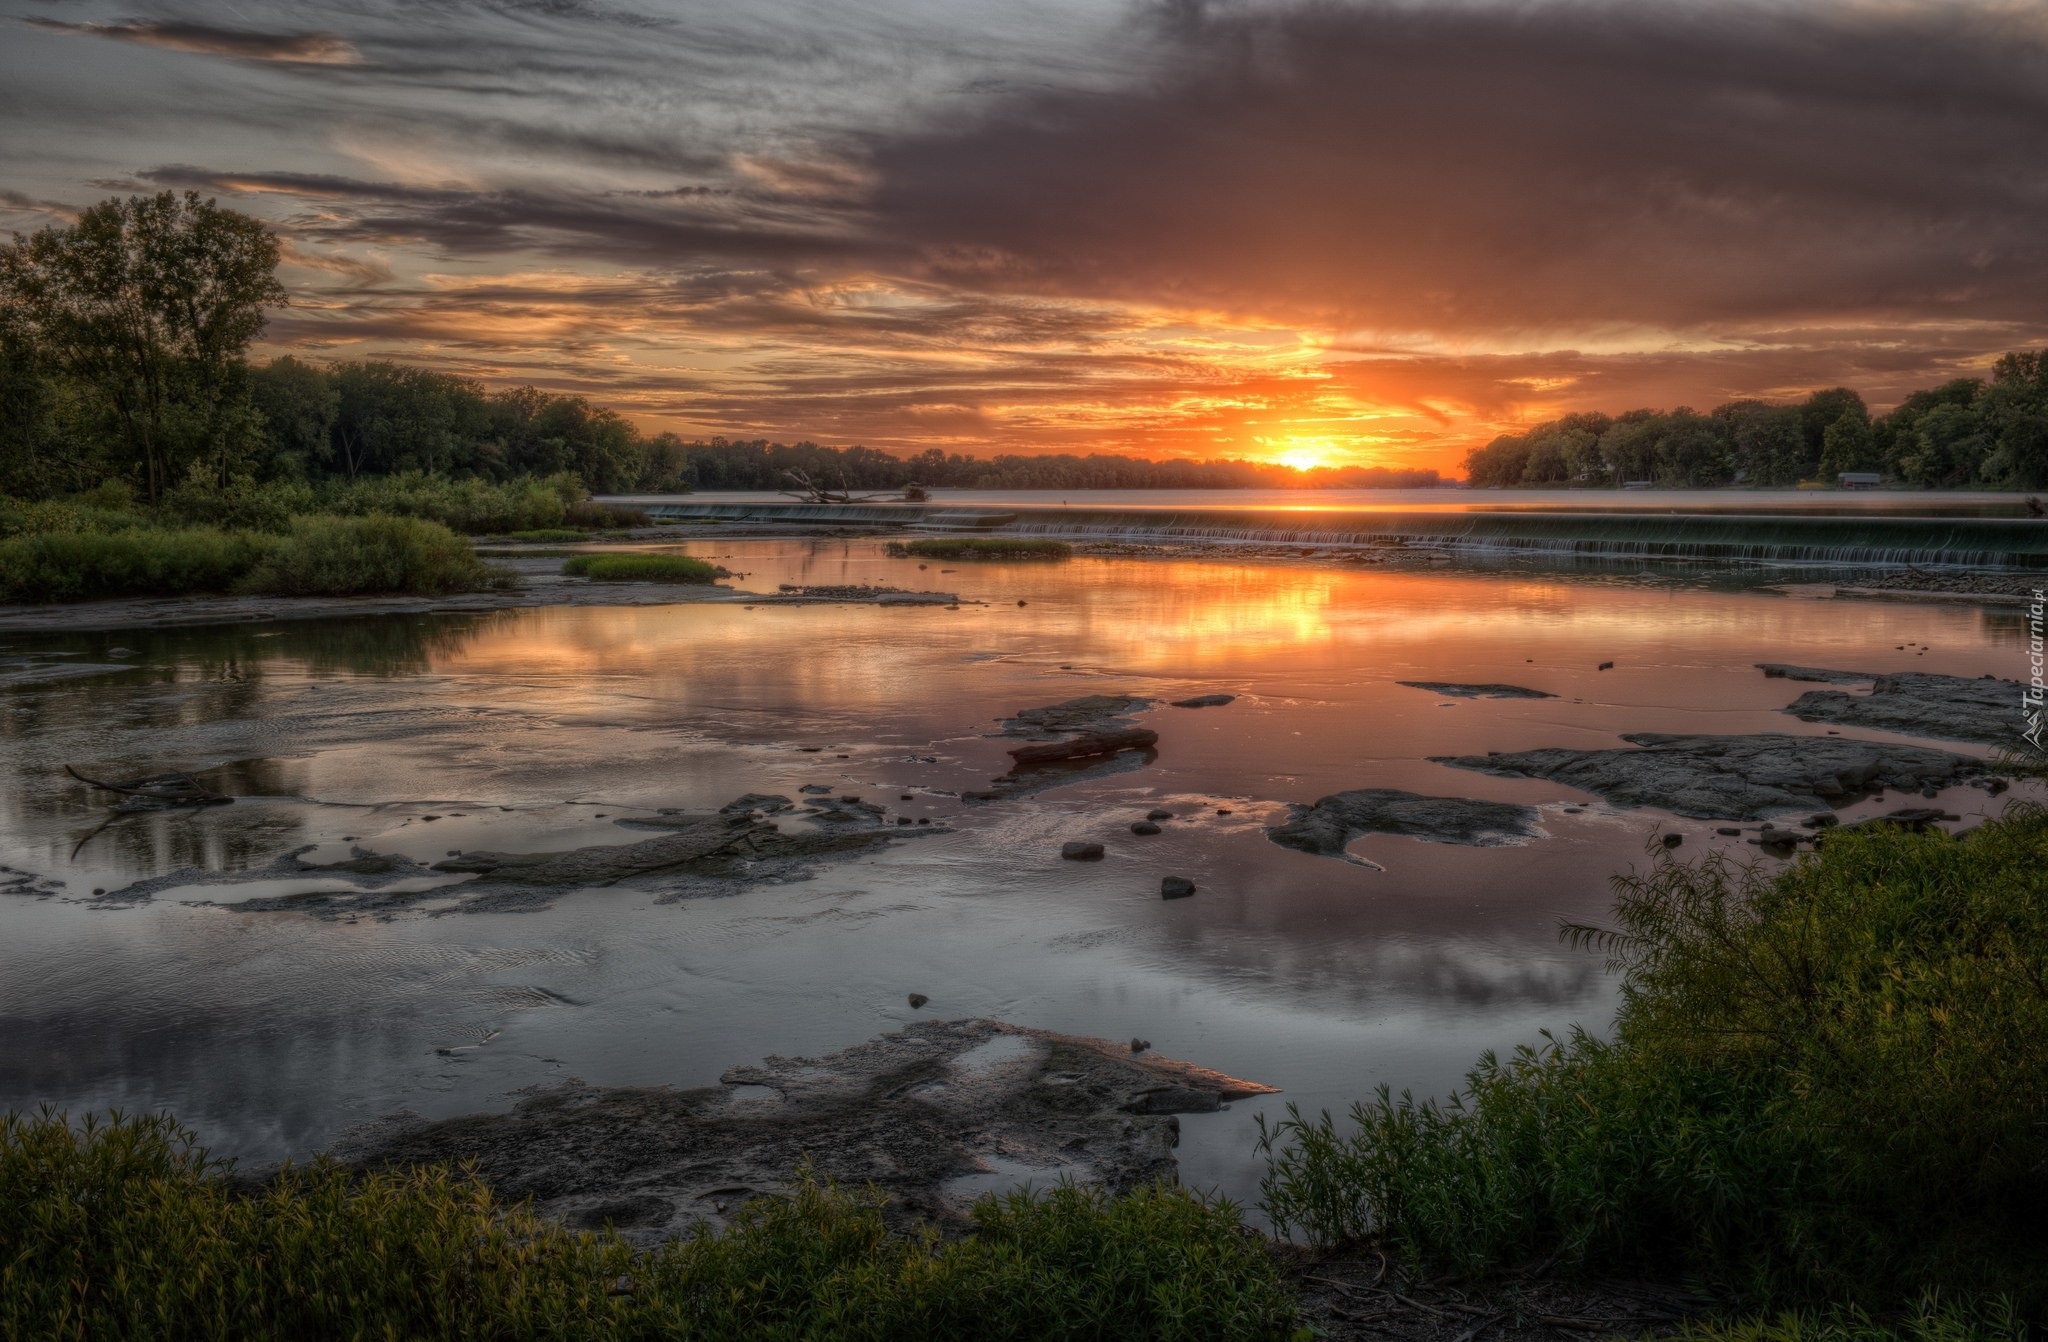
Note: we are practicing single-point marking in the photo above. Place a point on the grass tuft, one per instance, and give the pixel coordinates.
(980, 547)
(640, 568)
(124, 1228)
(139, 561)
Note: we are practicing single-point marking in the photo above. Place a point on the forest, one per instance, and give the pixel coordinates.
(1971, 432)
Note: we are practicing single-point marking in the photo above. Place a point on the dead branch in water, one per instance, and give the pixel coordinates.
(172, 789)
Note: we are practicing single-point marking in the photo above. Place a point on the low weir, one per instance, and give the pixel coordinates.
(1755, 537)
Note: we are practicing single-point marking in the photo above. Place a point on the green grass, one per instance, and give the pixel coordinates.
(980, 547)
(364, 556)
(139, 561)
(124, 1228)
(594, 516)
(545, 534)
(1829, 1084)
(1931, 1319)
(640, 568)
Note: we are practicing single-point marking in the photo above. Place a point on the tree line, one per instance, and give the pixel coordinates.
(124, 357)
(1991, 433)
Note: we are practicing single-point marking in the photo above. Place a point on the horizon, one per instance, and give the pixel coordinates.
(1344, 235)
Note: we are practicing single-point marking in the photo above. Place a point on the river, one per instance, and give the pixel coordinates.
(272, 1032)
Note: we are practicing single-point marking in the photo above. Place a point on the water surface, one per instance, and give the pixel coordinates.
(540, 728)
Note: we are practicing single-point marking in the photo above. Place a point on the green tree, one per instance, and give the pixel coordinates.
(299, 405)
(148, 305)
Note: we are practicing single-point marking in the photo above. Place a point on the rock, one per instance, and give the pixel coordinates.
(1205, 701)
(1606, 666)
(1464, 691)
(1175, 887)
(1728, 831)
(1823, 820)
(1159, 813)
(1079, 851)
(1089, 713)
(1731, 777)
(1914, 703)
(1098, 742)
(917, 1000)
(758, 801)
(814, 790)
(1224, 810)
(1140, 1045)
(1673, 840)
(1085, 745)
(909, 1112)
(1327, 827)
(1143, 827)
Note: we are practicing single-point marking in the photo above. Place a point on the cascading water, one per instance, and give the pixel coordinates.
(1754, 537)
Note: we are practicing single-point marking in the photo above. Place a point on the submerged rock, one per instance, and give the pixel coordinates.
(1333, 822)
(1914, 703)
(1487, 691)
(1205, 701)
(915, 1112)
(1175, 887)
(1081, 851)
(706, 845)
(1079, 739)
(1089, 713)
(1731, 777)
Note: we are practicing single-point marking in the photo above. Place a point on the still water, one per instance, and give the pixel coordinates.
(539, 729)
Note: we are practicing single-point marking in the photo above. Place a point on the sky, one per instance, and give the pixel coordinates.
(1315, 231)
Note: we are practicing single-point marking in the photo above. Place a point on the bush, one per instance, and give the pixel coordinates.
(125, 1228)
(242, 505)
(641, 568)
(360, 556)
(474, 507)
(595, 516)
(981, 547)
(139, 561)
(1831, 1083)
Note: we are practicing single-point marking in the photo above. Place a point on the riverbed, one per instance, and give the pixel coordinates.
(272, 1028)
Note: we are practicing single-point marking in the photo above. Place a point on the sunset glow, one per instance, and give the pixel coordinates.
(1091, 227)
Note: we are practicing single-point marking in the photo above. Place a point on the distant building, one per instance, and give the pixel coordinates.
(1860, 479)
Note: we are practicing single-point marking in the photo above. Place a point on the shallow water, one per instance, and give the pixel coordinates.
(540, 729)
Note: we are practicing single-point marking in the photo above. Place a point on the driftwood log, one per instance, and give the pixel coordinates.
(1085, 745)
(171, 789)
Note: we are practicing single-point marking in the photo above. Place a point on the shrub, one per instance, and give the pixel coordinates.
(604, 516)
(641, 568)
(474, 507)
(1831, 1083)
(981, 547)
(242, 505)
(125, 1228)
(139, 561)
(356, 556)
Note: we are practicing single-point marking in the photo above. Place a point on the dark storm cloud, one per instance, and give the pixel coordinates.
(209, 40)
(1531, 166)
(656, 231)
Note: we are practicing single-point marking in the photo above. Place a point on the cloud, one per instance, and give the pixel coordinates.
(1479, 168)
(208, 40)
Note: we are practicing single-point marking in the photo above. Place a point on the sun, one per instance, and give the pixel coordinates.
(1302, 458)
(1304, 454)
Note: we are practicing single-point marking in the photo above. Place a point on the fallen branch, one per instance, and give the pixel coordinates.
(172, 789)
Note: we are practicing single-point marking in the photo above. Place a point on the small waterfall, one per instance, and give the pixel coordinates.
(1853, 539)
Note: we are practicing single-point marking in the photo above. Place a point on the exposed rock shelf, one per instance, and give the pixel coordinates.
(1334, 821)
(1732, 777)
(921, 1113)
